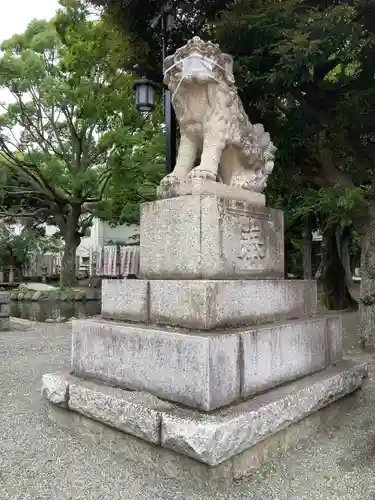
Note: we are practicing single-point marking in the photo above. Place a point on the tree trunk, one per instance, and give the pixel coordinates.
(69, 228)
(332, 276)
(367, 295)
(68, 273)
(343, 247)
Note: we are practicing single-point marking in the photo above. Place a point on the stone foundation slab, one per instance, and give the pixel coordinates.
(232, 436)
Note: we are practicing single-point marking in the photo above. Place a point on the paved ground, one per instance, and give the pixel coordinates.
(40, 460)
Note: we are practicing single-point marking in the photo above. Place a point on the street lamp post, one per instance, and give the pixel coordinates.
(144, 89)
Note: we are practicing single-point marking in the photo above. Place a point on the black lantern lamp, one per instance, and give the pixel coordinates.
(145, 88)
(145, 95)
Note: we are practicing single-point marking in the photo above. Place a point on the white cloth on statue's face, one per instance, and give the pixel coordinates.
(195, 64)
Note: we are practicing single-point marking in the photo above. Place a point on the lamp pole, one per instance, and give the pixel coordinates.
(169, 114)
(144, 89)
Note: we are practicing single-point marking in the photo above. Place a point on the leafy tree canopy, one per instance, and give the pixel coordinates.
(69, 122)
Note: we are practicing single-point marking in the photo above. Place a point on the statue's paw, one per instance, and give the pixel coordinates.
(201, 173)
(165, 189)
(256, 187)
(168, 180)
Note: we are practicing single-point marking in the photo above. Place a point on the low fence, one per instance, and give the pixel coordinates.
(112, 261)
(115, 261)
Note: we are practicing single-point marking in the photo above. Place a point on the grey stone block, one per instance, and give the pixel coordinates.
(196, 369)
(55, 388)
(164, 463)
(151, 460)
(207, 187)
(334, 338)
(5, 324)
(281, 352)
(126, 299)
(136, 413)
(4, 297)
(208, 304)
(204, 236)
(217, 437)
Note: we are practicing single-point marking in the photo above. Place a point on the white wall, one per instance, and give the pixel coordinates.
(100, 234)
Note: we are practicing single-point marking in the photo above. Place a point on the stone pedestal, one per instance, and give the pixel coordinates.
(206, 237)
(4, 311)
(212, 354)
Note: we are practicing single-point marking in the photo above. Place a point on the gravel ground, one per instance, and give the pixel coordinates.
(40, 460)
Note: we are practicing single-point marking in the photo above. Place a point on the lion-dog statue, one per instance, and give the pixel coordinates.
(218, 142)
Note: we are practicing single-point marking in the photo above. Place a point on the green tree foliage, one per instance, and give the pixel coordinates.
(306, 69)
(18, 248)
(144, 150)
(68, 123)
(135, 19)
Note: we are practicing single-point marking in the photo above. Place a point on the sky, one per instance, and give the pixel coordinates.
(18, 13)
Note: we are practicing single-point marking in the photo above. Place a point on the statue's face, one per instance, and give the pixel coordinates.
(197, 62)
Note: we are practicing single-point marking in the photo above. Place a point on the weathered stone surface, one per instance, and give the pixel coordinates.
(136, 413)
(55, 388)
(207, 304)
(37, 287)
(196, 369)
(281, 352)
(37, 295)
(203, 237)
(151, 460)
(4, 310)
(214, 438)
(334, 338)
(4, 323)
(126, 299)
(197, 186)
(162, 462)
(4, 297)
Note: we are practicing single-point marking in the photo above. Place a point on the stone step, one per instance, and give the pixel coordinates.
(244, 433)
(204, 370)
(208, 304)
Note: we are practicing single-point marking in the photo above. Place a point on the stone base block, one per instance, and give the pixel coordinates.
(207, 237)
(208, 304)
(204, 370)
(232, 442)
(274, 354)
(198, 370)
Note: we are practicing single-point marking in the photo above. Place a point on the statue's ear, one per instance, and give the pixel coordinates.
(168, 62)
(228, 65)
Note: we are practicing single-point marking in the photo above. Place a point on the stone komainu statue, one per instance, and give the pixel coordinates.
(218, 142)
